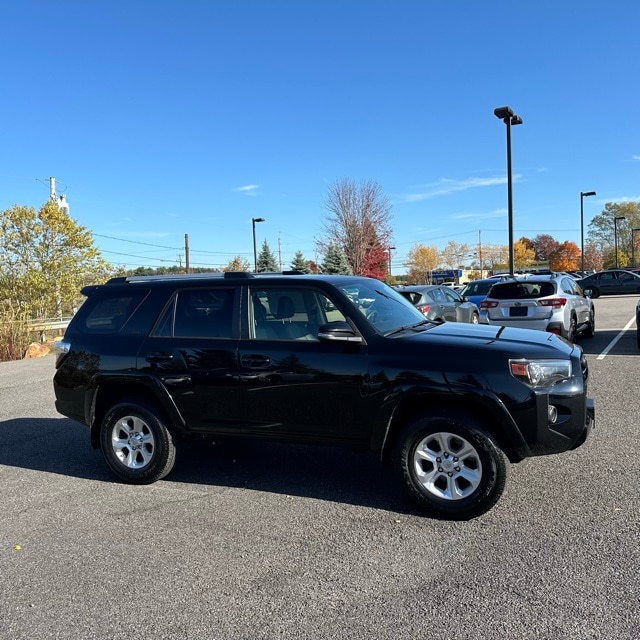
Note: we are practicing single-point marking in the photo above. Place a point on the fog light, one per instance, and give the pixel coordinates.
(553, 414)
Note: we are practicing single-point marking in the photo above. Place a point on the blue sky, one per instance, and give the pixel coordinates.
(160, 119)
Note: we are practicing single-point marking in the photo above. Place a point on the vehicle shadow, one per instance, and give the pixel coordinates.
(329, 473)
(625, 346)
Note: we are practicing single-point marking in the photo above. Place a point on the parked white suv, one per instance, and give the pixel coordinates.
(553, 303)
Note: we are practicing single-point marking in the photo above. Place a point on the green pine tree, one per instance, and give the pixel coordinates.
(335, 261)
(266, 260)
(299, 263)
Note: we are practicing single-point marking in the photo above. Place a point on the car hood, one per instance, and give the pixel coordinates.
(518, 342)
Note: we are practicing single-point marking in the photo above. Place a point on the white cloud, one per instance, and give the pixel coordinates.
(636, 157)
(620, 199)
(248, 189)
(498, 213)
(445, 186)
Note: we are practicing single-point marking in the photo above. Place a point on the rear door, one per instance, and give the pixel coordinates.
(193, 353)
(580, 305)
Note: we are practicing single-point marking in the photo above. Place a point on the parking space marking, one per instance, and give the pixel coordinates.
(610, 346)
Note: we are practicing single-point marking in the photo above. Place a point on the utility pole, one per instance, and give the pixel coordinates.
(480, 250)
(186, 252)
(279, 253)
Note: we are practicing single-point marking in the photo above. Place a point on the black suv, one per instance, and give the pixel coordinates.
(150, 362)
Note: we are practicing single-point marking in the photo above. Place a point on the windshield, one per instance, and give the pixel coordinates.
(383, 307)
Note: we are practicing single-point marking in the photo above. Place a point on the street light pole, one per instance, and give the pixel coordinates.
(583, 194)
(389, 255)
(255, 255)
(507, 116)
(615, 235)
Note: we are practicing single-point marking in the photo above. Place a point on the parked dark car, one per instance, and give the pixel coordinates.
(441, 303)
(610, 282)
(148, 363)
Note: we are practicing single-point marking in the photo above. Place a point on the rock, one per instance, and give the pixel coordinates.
(36, 350)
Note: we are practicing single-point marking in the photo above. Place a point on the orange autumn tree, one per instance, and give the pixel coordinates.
(566, 257)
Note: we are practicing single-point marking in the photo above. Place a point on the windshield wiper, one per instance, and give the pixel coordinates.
(407, 327)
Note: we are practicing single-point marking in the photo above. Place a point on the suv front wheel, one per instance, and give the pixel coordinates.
(451, 466)
(136, 443)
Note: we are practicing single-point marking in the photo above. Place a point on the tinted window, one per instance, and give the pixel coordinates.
(522, 290)
(199, 313)
(477, 288)
(107, 313)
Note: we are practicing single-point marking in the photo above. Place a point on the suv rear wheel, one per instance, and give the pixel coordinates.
(451, 466)
(570, 333)
(136, 443)
(590, 330)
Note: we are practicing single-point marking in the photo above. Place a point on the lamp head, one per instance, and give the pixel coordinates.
(502, 112)
(587, 193)
(257, 219)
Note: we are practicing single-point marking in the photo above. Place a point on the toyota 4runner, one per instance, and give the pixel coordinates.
(148, 363)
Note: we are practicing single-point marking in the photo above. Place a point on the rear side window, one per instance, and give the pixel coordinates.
(107, 313)
(521, 290)
(478, 288)
(199, 313)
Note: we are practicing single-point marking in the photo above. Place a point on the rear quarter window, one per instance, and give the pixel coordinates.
(108, 313)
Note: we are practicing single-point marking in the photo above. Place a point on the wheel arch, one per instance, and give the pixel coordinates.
(488, 411)
(111, 391)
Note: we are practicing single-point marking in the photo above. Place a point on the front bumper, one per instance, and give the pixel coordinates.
(590, 424)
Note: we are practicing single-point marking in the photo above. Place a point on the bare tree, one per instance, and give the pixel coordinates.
(358, 220)
(453, 255)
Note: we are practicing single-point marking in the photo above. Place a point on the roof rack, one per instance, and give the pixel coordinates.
(201, 276)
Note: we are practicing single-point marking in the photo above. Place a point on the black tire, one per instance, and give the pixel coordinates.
(136, 443)
(591, 292)
(590, 330)
(570, 333)
(446, 485)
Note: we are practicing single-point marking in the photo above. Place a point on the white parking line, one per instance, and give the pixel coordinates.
(610, 346)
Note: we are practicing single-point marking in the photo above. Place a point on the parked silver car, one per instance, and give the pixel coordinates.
(553, 303)
(441, 303)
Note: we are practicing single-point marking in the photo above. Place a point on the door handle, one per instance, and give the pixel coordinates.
(159, 356)
(255, 361)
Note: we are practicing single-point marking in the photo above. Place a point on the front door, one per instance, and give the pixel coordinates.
(293, 384)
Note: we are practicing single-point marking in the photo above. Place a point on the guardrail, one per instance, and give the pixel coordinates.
(49, 324)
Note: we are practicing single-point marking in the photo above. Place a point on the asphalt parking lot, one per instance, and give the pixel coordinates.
(252, 541)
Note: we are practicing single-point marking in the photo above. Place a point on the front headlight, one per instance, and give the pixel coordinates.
(540, 373)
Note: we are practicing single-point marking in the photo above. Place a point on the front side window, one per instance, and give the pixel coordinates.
(279, 313)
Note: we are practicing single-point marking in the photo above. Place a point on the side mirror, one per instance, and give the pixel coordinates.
(338, 332)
